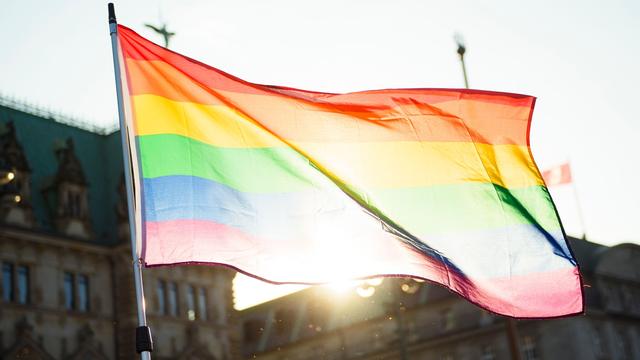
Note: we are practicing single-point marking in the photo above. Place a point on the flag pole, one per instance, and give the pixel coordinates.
(577, 202)
(144, 344)
(461, 50)
(579, 207)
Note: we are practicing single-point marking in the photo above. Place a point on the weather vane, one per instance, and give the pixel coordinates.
(462, 49)
(166, 34)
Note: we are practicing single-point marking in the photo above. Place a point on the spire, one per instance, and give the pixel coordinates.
(69, 167)
(69, 194)
(15, 180)
(11, 151)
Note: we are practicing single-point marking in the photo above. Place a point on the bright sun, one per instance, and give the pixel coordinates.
(249, 292)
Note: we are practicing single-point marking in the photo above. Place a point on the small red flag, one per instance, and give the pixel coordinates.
(558, 175)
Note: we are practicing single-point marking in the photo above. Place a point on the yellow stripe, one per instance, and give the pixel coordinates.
(217, 125)
(417, 164)
(378, 164)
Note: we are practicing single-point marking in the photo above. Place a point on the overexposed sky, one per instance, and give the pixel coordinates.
(580, 58)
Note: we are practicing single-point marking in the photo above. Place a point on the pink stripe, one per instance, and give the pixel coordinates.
(368, 252)
(186, 240)
(550, 294)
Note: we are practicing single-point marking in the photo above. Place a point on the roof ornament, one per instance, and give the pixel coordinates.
(69, 168)
(11, 151)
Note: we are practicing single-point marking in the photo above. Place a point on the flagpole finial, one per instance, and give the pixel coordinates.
(112, 13)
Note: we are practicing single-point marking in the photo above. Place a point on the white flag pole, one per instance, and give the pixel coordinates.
(144, 344)
(577, 202)
(579, 207)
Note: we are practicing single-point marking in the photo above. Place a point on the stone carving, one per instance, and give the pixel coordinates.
(88, 346)
(25, 346)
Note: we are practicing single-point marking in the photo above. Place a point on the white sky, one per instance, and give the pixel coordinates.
(580, 58)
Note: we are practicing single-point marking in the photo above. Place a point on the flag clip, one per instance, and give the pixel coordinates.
(143, 339)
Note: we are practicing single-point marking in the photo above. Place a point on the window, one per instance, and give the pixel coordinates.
(77, 205)
(598, 341)
(488, 353)
(160, 293)
(23, 284)
(76, 292)
(191, 303)
(202, 303)
(7, 282)
(447, 320)
(83, 293)
(447, 356)
(15, 283)
(486, 318)
(69, 291)
(168, 301)
(529, 348)
(623, 344)
(317, 312)
(173, 299)
(73, 204)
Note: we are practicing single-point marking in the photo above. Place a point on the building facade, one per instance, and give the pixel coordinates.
(67, 284)
(67, 291)
(405, 319)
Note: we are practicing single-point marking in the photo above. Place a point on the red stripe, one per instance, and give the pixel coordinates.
(138, 48)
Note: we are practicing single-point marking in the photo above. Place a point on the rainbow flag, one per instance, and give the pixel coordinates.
(295, 186)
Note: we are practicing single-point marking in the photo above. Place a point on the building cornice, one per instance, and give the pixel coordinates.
(63, 313)
(51, 240)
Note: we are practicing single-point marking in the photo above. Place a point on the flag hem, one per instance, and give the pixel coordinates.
(432, 282)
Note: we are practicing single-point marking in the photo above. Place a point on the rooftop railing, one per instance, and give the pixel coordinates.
(59, 117)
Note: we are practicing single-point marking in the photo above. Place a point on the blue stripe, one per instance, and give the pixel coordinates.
(496, 252)
(260, 214)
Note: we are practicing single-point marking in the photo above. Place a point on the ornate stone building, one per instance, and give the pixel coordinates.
(66, 285)
(405, 319)
(67, 292)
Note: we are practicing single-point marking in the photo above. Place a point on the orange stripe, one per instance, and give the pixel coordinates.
(299, 120)
(297, 115)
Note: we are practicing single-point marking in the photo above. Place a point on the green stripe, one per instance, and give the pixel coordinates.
(276, 169)
(446, 208)
(418, 210)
